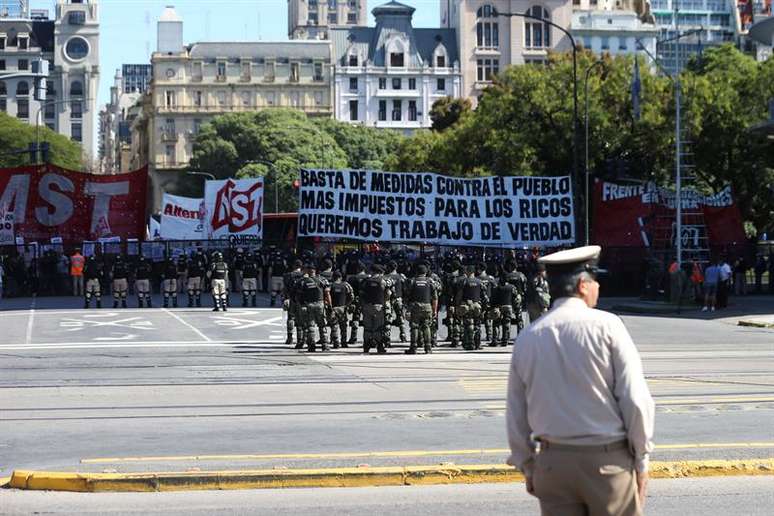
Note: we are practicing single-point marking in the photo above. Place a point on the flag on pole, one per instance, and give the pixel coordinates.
(636, 89)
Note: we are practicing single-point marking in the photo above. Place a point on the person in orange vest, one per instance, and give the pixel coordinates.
(77, 262)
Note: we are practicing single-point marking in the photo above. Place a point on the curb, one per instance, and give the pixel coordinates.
(647, 310)
(755, 324)
(342, 477)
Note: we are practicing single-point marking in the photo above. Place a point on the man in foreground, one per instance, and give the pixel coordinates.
(580, 416)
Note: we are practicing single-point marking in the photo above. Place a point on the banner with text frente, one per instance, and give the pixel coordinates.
(432, 208)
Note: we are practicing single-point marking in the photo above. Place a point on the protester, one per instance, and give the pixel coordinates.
(579, 416)
(77, 263)
(711, 280)
(724, 284)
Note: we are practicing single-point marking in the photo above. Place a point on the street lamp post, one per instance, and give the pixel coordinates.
(593, 65)
(574, 89)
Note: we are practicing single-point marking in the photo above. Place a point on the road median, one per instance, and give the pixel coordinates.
(341, 477)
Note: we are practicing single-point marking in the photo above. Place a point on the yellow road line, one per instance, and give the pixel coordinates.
(383, 454)
(689, 401)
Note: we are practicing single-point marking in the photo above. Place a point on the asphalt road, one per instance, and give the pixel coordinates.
(749, 496)
(150, 390)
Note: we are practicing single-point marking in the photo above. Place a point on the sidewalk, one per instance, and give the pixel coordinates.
(751, 310)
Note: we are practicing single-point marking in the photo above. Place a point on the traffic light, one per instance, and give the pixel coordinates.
(45, 147)
(40, 69)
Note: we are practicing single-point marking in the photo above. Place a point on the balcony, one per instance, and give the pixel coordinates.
(398, 94)
(169, 135)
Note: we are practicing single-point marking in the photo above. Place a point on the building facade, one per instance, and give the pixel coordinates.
(616, 28)
(312, 19)
(715, 22)
(390, 75)
(193, 84)
(488, 43)
(70, 43)
(114, 123)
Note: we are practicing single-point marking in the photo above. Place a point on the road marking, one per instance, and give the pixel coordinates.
(126, 336)
(690, 401)
(383, 454)
(31, 320)
(141, 344)
(133, 323)
(236, 323)
(200, 334)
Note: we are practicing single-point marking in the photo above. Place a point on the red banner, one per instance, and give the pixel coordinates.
(49, 201)
(641, 215)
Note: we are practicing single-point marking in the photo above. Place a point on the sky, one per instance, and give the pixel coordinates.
(128, 27)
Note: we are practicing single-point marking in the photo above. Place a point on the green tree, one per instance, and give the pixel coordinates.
(447, 111)
(17, 135)
(365, 147)
(240, 145)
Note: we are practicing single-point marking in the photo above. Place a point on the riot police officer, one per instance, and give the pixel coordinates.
(488, 282)
(142, 277)
(398, 280)
(182, 273)
(290, 306)
(169, 284)
(450, 290)
(471, 295)
(219, 275)
(374, 298)
(422, 298)
(342, 296)
(196, 270)
(538, 294)
(355, 282)
(312, 293)
(238, 264)
(504, 304)
(249, 280)
(518, 280)
(120, 275)
(93, 274)
(278, 268)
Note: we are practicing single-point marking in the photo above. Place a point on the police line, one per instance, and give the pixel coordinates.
(432, 208)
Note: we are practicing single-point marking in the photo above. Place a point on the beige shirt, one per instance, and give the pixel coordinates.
(576, 378)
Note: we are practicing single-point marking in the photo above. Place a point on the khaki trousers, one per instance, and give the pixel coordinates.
(586, 482)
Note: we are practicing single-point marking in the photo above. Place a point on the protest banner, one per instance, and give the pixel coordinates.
(234, 207)
(432, 208)
(7, 235)
(630, 215)
(182, 218)
(50, 201)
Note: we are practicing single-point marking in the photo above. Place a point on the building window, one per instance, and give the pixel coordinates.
(352, 18)
(3, 104)
(318, 72)
(396, 59)
(487, 69)
(22, 88)
(76, 132)
(537, 34)
(294, 72)
(76, 89)
(397, 107)
(382, 83)
(197, 71)
(312, 5)
(198, 98)
(76, 18)
(23, 42)
(353, 110)
(353, 84)
(22, 108)
(318, 98)
(412, 83)
(440, 84)
(440, 61)
(382, 110)
(622, 44)
(270, 98)
(397, 83)
(169, 127)
(268, 71)
(23, 64)
(169, 98)
(221, 70)
(332, 4)
(2, 42)
(246, 70)
(222, 98)
(333, 18)
(487, 28)
(605, 43)
(50, 111)
(353, 60)
(197, 125)
(246, 98)
(2, 64)
(412, 111)
(170, 153)
(312, 16)
(76, 109)
(3, 88)
(50, 91)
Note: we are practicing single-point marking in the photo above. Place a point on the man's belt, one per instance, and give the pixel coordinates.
(592, 448)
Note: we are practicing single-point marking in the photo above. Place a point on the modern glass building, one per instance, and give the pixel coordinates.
(715, 22)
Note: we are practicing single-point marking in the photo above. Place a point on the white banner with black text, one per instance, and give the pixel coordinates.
(432, 208)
